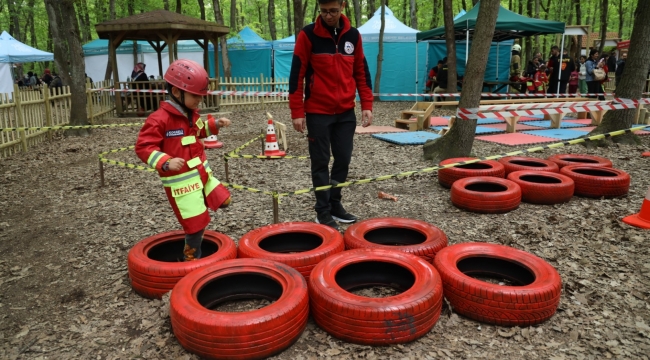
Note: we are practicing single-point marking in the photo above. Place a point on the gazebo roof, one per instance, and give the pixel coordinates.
(150, 25)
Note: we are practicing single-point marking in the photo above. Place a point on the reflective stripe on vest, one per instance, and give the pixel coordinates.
(154, 157)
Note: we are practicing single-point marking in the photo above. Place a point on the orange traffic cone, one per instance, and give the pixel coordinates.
(211, 142)
(642, 219)
(646, 154)
(271, 144)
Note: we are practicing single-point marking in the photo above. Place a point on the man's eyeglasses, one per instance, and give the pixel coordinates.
(331, 12)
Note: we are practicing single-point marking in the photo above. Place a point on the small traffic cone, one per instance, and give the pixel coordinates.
(646, 154)
(271, 147)
(211, 142)
(642, 219)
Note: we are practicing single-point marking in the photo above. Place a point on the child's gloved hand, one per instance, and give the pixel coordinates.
(223, 122)
(176, 164)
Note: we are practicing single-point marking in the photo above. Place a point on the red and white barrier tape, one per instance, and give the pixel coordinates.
(467, 114)
(542, 105)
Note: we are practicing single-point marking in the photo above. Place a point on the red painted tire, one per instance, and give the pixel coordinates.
(519, 163)
(300, 245)
(543, 187)
(375, 321)
(156, 264)
(598, 182)
(487, 195)
(446, 177)
(411, 236)
(534, 298)
(563, 160)
(255, 334)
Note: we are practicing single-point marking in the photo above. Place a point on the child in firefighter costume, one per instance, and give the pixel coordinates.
(169, 142)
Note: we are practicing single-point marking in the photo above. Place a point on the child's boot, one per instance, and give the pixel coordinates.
(192, 250)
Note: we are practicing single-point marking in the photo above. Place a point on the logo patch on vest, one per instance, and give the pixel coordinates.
(175, 133)
(349, 48)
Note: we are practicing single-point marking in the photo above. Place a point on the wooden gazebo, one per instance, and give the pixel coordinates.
(160, 28)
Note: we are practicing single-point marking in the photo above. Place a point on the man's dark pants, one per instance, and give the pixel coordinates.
(325, 132)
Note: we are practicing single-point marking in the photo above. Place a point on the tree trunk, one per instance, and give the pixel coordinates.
(631, 85)
(414, 14)
(298, 18)
(450, 39)
(465, 5)
(578, 22)
(166, 5)
(65, 35)
(233, 16)
(380, 54)
(271, 15)
(304, 10)
(84, 20)
(316, 8)
(537, 47)
(620, 19)
(202, 8)
(109, 64)
(529, 40)
(460, 138)
(225, 61)
(289, 27)
(371, 8)
(179, 6)
(474, 2)
(603, 24)
(357, 13)
(32, 28)
(404, 11)
(14, 23)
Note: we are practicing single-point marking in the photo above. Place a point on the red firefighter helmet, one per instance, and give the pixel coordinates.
(189, 76)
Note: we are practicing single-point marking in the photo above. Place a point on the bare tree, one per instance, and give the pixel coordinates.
(233, 15)
(380, 53)
(166, 5)
(450, 38)
(271, 15)
(179, 6)
(579, 22)
(357, 13)
(32, 28)
(111, 8)
(68, 55)
(620, 18)
(298, 18)
(202, 9)
(460, 138)
(225, 61)
(603, 24)
(14, 23)
(289, 27)
(631, 84)
(84, 20)
(371, 8)
(414, 15)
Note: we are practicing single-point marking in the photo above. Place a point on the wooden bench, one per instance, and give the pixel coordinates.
(418, 117)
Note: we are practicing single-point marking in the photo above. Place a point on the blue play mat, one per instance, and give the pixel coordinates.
(479, 129)
(547, 124)
(407, 138)
(562, 134)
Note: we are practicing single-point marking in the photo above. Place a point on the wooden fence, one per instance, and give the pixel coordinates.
(42, 106)
(143, 103)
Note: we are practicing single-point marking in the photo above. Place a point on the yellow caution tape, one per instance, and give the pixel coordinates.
(69, 127)
(278, 195)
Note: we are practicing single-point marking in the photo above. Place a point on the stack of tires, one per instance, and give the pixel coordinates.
(499, 186)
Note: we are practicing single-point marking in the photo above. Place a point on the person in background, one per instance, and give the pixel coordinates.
(582, 75)
(531, 67)
(553, 66)
(47, 77)
(573, 81)
(541, 80)
(442, 77)
(611, 61)
(620, 67)
(138, 74)
(431, 78)
(594, 85)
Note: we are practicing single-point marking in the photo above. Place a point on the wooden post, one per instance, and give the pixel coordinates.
(225, 164)
(420, 122)
(20, 117)
(48, 109)
(101, 173)
(89, 100)
(556, 121)
(511, 124)
(276, 209)
(261, 98)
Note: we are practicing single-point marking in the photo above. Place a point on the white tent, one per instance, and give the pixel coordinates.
(13, 51)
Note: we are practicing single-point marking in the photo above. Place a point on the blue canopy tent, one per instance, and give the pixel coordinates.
(399, 70)
(249, 55)
(13, 51)
(283, 56)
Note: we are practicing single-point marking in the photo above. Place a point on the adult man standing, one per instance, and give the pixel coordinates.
(567, 66)
(328, 56)
(611, 61)
(553, 66)
(620, 67)
(515, 69)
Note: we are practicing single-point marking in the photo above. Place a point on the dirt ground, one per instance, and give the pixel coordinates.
(64, 242)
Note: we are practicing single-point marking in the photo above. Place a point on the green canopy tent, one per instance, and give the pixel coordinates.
(510, 25)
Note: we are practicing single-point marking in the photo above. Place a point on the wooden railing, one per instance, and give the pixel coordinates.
(42, 106)
(144, 102)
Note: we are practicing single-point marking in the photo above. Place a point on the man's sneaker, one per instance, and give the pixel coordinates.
(325, 218)
(339, 214)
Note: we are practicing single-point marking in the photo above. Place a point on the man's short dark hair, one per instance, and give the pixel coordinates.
(440, 62)
(444, 60)
(555, 47)
(321, 2)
